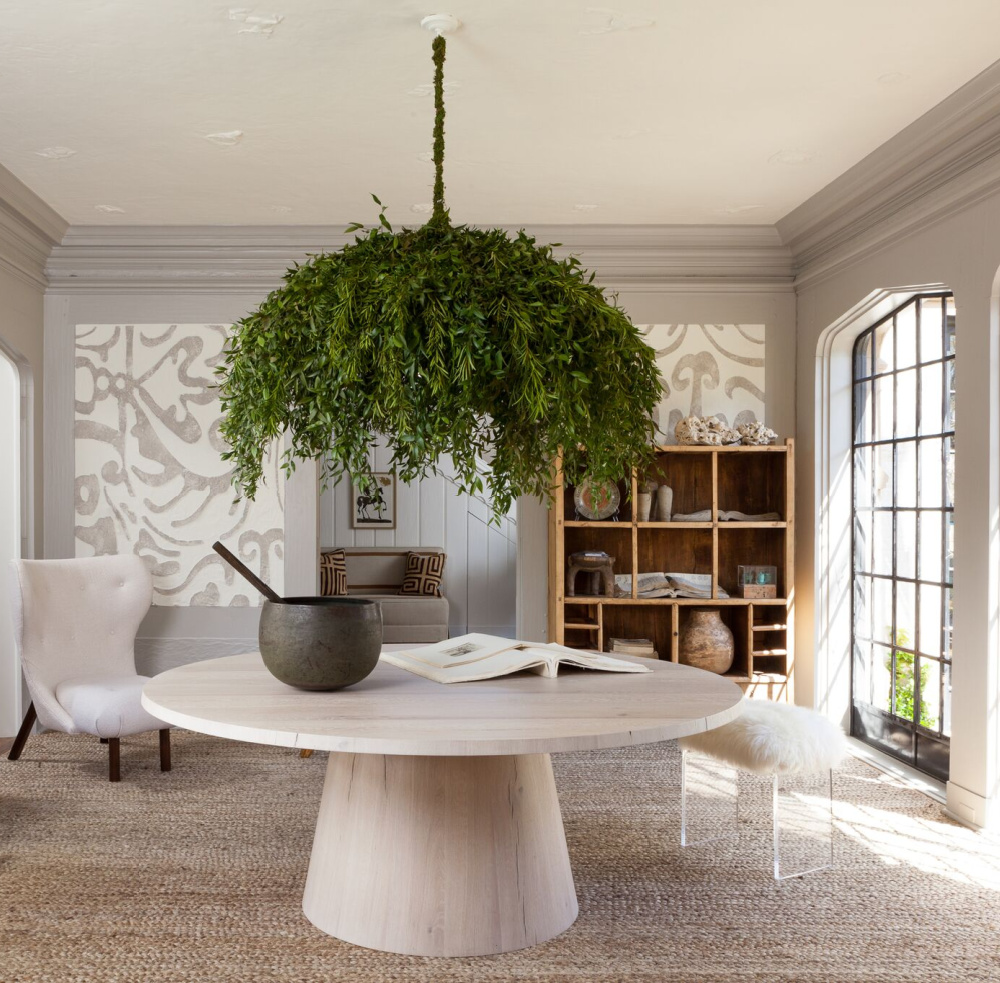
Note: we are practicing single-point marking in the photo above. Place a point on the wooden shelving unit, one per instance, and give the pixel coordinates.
(753, 480)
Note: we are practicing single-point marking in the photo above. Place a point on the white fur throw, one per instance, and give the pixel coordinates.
(773, 738)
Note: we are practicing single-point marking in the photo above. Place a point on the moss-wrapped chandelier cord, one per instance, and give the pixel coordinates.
(443, 343)
(439, 216)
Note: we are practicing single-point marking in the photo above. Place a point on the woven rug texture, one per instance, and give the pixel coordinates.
(196, 876)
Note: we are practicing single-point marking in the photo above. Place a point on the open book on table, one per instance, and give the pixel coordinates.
(471, 657)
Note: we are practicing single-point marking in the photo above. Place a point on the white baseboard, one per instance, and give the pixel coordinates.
(971, 809)
(931, 787)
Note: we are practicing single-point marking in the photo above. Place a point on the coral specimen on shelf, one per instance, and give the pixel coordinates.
(704, 430)
(756, 433)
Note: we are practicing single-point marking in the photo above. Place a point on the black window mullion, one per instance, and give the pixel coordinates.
(917, 693)
(895, 498)
(945, 514)
(942, 434)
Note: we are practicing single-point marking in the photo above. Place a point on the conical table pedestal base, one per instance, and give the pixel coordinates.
(440, 856)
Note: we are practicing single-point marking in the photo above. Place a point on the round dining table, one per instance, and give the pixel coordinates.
(439, 831)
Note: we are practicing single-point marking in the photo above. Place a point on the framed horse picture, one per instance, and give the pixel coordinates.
(374, 509)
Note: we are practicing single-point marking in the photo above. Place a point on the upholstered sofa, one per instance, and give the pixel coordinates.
(377, 572)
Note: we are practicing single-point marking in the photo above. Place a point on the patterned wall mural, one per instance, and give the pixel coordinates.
(149, 476)
(708, 370)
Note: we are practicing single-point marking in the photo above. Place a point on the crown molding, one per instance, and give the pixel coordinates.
(943, 162)
(29, 229)
(946, 160)
(238, 259)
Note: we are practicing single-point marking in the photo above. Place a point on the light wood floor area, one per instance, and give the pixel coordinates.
(5, 743)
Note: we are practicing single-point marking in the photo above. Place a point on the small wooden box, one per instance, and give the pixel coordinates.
(758, 591)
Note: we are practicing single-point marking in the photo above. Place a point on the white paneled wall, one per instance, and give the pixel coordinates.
(480, 572)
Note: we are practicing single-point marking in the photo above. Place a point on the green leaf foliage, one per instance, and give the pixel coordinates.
(445, 341)
(903, 683)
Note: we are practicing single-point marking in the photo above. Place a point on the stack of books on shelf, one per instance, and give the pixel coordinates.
(632, 646)
(696, 585)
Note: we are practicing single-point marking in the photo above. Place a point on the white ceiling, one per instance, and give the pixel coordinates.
(719, 111)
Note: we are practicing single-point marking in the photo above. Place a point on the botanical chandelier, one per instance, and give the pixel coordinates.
(444, 341)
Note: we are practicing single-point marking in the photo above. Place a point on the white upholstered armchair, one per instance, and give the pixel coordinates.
(74, 626)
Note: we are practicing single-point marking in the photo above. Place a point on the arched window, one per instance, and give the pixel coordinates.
(903, 528)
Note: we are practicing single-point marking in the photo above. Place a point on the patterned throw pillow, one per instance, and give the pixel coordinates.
(423, 574)
(333, 573)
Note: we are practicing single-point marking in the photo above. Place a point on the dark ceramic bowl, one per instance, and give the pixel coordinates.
(320, 643)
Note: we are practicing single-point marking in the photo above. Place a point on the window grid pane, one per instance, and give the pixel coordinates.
(903, 526)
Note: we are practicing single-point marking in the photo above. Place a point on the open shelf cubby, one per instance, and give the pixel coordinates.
(680, 550)
(690, 477)
(752, 480)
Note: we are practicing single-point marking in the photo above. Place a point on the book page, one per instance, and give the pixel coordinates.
(587, 660)
(647, 585)
(474, 657)
(467, 658)
(696, 585)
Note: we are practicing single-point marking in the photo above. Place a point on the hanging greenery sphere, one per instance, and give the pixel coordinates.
(443, 341)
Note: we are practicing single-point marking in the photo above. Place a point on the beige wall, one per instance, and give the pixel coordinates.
(961, 252)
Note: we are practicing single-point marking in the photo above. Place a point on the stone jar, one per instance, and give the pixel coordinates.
(705, 642)
(643, 506)
(320, 643)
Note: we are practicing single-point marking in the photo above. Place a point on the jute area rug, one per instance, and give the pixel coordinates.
(197, 875)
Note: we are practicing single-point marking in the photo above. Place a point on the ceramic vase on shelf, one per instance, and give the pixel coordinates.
(664, 503)
(645, 500)
(705, 642)
(643, 506)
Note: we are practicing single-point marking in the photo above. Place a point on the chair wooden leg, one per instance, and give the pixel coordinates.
(165, 749)
(102, 740)
(305, 753)
(114, 760)
(22, 735)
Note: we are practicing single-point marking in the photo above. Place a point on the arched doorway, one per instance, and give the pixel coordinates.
(13, 545)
